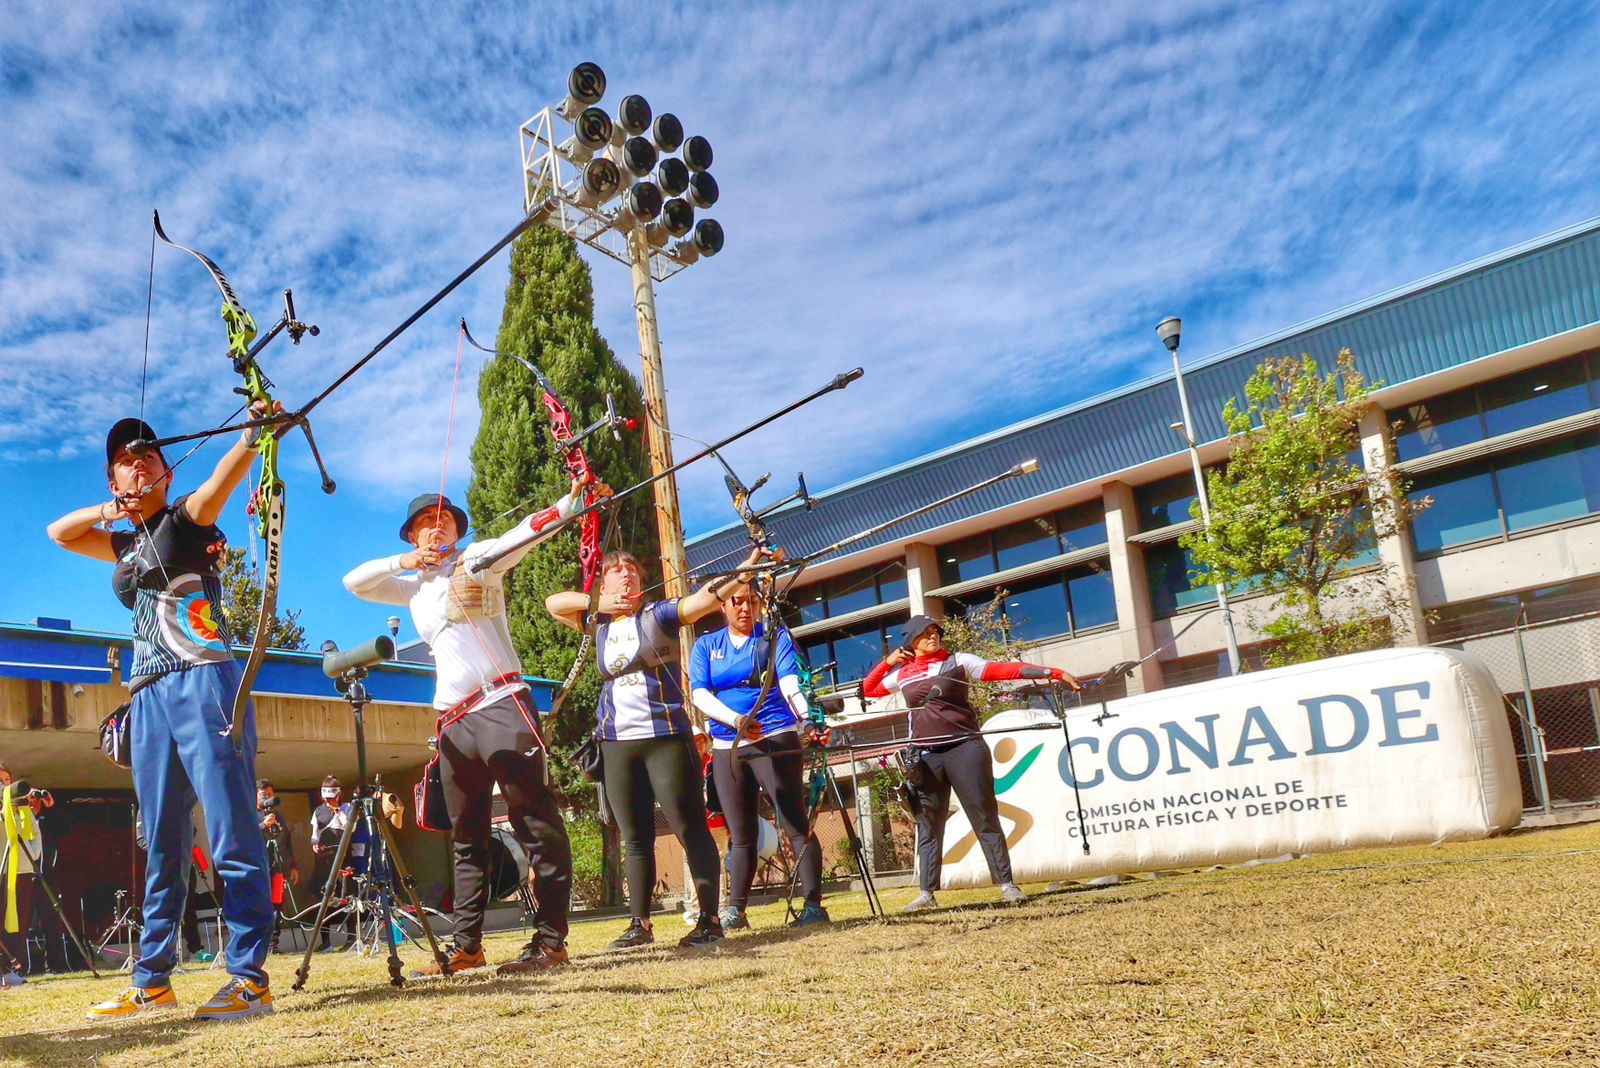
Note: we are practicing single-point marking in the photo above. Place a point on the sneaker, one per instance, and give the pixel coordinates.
(535, 957)
(707, 933)
(921, 902)
(205, 956)
(1012, 894)
(11, 979)
(239, 999)
(635, 936)
(812, 913)
(459, 960)
(134, 1000)
(733, 918)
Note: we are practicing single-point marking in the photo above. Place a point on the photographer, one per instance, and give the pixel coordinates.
(21, 849)
(280, 852)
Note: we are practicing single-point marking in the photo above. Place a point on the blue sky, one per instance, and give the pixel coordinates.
(986, 207)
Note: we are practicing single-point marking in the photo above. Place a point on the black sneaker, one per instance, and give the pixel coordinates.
(706, 933)
(635, 936)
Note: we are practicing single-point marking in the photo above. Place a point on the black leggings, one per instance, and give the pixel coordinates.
(641, 773)
(965, 767)
(776, 766)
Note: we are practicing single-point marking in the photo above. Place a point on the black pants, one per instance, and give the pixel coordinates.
(492, 745)
(776, 766)
(966, 768)
(641, 773)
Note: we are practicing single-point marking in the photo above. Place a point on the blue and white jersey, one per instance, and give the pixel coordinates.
(732, 668)
(641, 695)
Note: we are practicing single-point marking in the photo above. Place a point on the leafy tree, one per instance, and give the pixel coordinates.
(549, 319)
(1294, 513)
(241, 606)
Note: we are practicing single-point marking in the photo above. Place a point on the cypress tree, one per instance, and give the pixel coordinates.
(549, 319)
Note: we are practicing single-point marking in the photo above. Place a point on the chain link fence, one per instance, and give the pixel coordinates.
(1549, 672)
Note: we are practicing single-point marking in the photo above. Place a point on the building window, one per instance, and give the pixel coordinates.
(1161, 504)
(1027, 542)
(1549, 483)
(1543, 605)
(1061, 605)
(1514, 402)
(1167, 566)
(850, 592)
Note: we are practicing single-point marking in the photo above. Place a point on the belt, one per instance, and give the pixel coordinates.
(467, 703)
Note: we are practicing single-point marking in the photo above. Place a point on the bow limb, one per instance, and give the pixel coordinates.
(268, 499)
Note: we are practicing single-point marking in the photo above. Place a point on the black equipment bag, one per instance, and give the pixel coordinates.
(589, 759)
(115, 740)
(429, 800)
(913, 765)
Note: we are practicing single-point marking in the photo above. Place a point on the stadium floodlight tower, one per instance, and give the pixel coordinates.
(628, 185)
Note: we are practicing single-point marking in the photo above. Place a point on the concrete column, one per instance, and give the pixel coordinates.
(1394, 552)
(1130, 587)
(922, 574)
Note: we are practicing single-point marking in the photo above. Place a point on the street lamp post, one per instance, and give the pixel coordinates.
(1170, 330)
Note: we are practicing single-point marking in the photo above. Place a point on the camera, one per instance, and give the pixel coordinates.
(269, 804)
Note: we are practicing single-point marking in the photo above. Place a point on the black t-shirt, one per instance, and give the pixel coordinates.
(167, 572)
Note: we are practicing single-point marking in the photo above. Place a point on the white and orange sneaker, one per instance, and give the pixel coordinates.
(239, 999)
(133, 1001)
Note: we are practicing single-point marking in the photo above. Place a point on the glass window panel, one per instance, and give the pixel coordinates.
(1437, 424)
(1025, 542)
(1551, 483)
(851, 593)
(1463, 509)
(892, 582)
(1038, 610)
(1534, 397)
(966, 559)
(1161, 504)
(1094, 604)
(808, 602)
(1082, 526)
(857, 651)
(817, 655)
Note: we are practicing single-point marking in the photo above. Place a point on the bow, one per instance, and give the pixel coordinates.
(766, 586)
(576, 462)
(267, 500)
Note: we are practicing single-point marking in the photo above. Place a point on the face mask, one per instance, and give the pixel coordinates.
(329, 794)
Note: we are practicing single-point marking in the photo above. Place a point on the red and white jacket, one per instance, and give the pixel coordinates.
(935, 688)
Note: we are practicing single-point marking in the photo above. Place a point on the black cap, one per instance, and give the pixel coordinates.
(427, 502)
(126, 430)
(915, 626)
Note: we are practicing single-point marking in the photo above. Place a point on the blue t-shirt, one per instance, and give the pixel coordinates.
(641, 695)
(727, 669)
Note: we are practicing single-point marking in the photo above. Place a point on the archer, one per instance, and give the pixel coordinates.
(488, 728)
(182, 683)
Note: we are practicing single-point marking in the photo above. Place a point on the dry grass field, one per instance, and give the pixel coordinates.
(1484, 953)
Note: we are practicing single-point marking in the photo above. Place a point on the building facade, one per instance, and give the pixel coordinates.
(1489, 404)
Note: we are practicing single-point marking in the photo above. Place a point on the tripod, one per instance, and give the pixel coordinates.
(363, 805)
(823, 785)
(127, 923)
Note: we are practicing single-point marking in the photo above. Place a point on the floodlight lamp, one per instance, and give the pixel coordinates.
(1169, 330)
(697, 153)
(633, 117)
(640, 204)
(600, 182)
(707, 241)
(667, 132)
(591, 132)
(702, 189)
(636, 156)
(677, 219)
(672, 175)
(585, 86)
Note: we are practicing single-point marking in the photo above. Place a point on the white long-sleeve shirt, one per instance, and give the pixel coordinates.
(462, 614)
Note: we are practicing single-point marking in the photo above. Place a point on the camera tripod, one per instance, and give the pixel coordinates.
(127, 925)
(363, 810)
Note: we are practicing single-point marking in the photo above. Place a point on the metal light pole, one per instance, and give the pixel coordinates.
(1170, 330)
(651, 227)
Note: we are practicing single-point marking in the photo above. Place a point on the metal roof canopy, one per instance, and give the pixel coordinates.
(1535, 290)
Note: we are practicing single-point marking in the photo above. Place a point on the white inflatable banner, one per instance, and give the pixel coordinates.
(1398, 746)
